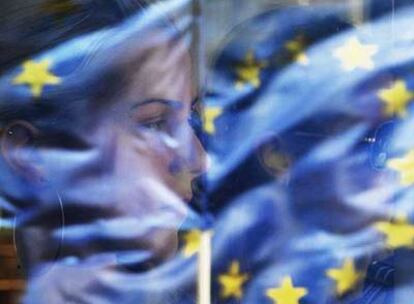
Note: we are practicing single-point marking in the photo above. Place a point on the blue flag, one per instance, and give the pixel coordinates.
(309, 114)
(299, 159)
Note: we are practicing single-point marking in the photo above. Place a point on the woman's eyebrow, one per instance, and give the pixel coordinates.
(176, 105)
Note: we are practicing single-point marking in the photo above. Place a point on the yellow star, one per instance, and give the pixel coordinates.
(248, 72)
(232, 282)
(191, 242)
(286, 293)
(353, 54)
(296, 47)
(405, 166)
(36, 75)
(209, 116)
(396, 98)
(346, 278)
(399, 233)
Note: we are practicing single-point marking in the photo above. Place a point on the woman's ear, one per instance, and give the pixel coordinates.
(18, 150)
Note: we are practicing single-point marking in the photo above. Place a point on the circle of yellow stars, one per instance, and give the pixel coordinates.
(352, 55)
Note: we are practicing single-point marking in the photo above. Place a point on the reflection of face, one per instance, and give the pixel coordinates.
(155, 134)
(143, 156)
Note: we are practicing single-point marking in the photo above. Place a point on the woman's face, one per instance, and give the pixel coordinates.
(141, 160)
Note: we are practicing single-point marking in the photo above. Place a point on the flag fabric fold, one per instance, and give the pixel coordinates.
(298, 160)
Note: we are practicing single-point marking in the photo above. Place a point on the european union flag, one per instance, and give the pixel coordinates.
(309, 114)
(298, 179)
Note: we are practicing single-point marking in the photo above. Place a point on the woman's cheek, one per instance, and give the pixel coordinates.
(172, 169)
(152, 155)
(162, 155)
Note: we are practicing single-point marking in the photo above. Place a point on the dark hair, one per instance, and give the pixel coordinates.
(29, 27)
(88, 76)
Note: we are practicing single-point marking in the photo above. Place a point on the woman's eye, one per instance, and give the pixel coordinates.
(159, 125)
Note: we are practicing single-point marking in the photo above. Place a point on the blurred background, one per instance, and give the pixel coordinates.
(220, 17)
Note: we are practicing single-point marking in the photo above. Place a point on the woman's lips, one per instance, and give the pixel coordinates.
(196, 188)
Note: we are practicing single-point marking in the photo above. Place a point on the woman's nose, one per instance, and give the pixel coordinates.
(197, 156)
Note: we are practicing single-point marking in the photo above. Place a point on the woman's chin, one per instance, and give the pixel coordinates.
(162, 246)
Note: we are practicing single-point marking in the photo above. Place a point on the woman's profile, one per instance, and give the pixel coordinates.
(97, 153)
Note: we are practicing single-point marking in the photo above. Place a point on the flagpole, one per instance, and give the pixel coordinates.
(204, 269)
(204, 253)
(357, 12)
